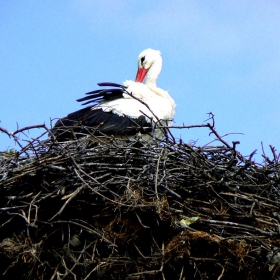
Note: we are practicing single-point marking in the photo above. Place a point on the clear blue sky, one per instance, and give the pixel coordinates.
(219, 56)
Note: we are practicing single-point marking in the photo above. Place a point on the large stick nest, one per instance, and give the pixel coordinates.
(136, 210)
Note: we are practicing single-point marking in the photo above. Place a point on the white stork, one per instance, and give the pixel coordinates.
(135, 109)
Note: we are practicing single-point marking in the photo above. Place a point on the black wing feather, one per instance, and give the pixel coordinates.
(98, 121)
(108, 84)
(95, 101)
(102, 94)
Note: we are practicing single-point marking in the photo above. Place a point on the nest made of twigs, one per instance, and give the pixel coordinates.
(136, 210)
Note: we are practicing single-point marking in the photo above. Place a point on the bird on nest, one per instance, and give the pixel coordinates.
(130, 111)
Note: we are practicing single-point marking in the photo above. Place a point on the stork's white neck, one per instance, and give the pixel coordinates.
(153, 72)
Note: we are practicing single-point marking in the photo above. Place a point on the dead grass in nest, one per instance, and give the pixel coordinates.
(136, 210)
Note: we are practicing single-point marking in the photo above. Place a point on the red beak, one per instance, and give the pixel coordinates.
(141, 75)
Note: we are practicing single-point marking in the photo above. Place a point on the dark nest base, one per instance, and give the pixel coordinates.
(118, 210)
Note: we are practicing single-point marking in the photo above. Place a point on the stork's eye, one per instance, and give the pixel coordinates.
(142, 60)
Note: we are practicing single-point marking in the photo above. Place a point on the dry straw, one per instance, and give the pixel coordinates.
(116, 209)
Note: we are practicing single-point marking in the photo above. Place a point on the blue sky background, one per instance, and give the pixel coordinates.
(219, 56)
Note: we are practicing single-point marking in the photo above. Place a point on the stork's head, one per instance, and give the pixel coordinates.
(149, 62)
